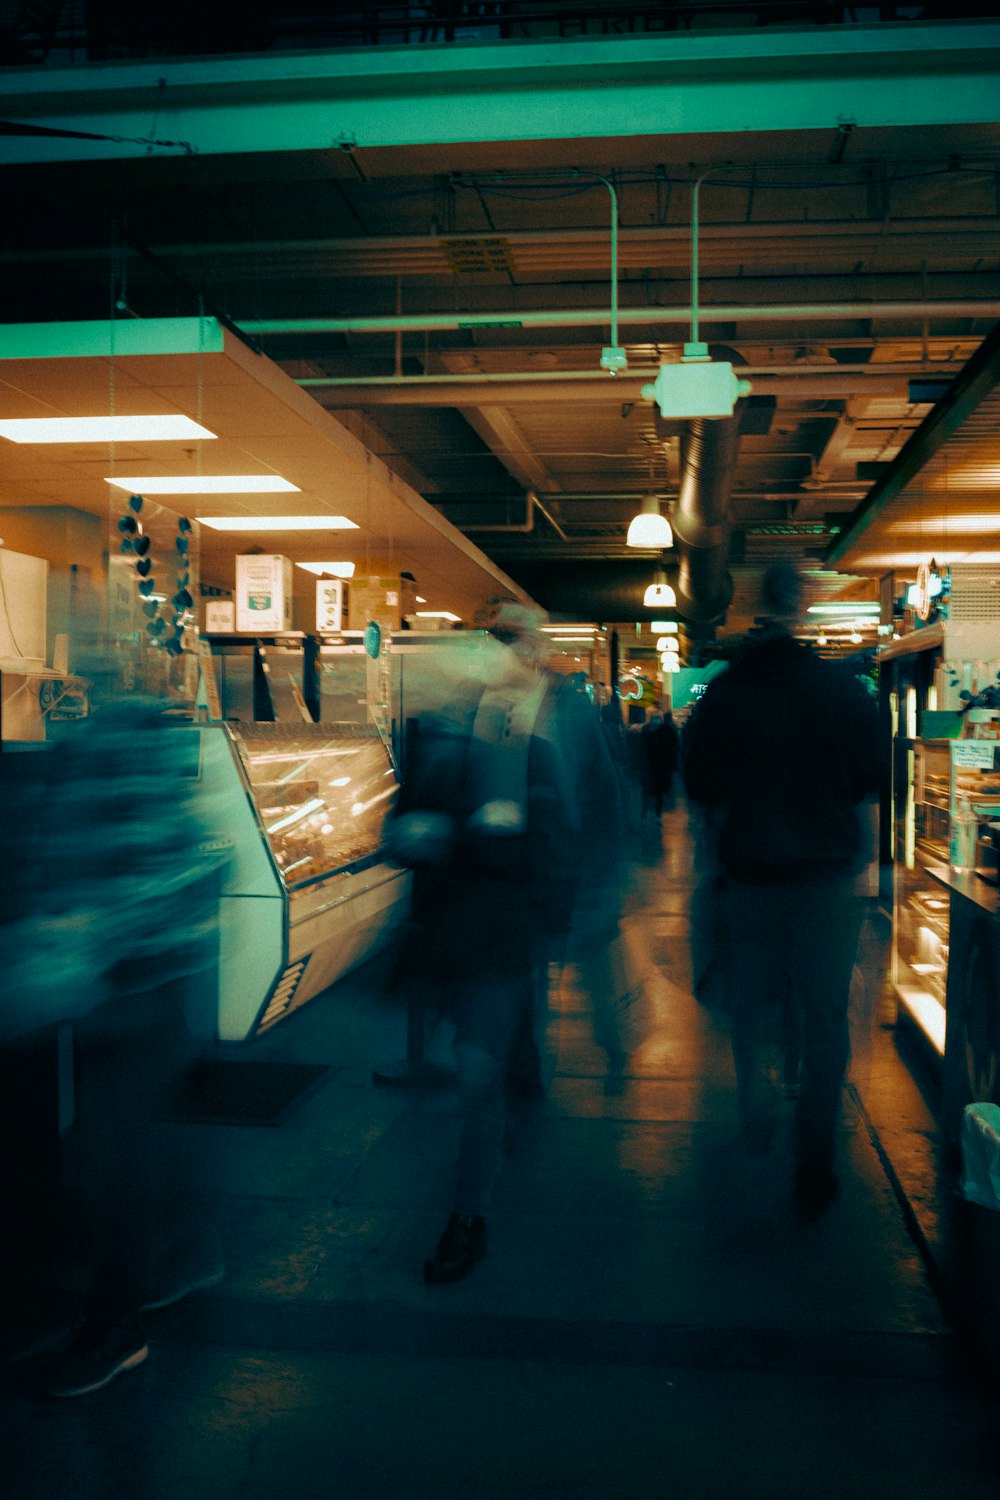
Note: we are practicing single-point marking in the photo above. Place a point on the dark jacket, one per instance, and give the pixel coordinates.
(495, 900)
(781, 750)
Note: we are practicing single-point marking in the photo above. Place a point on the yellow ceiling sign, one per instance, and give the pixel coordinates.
(489, 254)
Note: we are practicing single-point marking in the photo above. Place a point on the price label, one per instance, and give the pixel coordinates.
(979, 754)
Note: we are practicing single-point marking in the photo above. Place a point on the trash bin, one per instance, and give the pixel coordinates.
(980, 1186)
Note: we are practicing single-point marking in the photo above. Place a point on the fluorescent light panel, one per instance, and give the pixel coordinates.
(843, 609)
(277, 523)
(166, 428)
(337, 569)
(205, 484)
(436, 614)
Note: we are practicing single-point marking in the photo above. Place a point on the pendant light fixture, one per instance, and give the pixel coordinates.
(659, 594)
(649, 528)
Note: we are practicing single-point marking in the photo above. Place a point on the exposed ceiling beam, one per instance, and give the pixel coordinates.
(507, 442)
(355, 102)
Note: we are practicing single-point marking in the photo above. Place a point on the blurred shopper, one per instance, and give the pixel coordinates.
(118, 938)
(780, 752)
(660, 744)
(508, 809)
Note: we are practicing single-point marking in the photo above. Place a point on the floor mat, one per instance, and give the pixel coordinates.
(214, 1091)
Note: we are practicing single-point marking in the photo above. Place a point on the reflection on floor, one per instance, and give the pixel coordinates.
(651, 1319)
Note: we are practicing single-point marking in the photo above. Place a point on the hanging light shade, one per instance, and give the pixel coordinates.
(670, 661)
(659, 594)
(649, 528)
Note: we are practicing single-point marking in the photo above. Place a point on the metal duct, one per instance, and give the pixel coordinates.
(702, 521)
(603, 589)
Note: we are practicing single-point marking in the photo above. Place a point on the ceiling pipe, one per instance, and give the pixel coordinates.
(596, 317)
(702, 520)
(423, 390)
(648, 372)
(532, 504)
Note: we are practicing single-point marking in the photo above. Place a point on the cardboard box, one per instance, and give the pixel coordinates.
(220, 616)
(385, 599)
(263, 593)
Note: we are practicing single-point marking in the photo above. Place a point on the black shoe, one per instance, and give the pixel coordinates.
(816, 1189)
(461, 1245)
(95, 1357)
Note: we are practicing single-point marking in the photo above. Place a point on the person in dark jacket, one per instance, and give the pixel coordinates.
(781, 752)
(660, 743)
(507, 811)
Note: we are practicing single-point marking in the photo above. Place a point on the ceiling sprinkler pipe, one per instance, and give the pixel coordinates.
(592, 317)
(532, 504)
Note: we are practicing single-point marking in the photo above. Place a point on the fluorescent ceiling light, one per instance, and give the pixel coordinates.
(437, 614)
(843, 609)
(665, 627)
(337, 569)
(155, 429)
(420, 599)
(276, 523)
(564, 640)
(205, 484)
(969, 523)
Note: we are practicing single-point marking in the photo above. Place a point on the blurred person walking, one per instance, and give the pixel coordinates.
(117, 937)
(780, 752)
(660, 743)
(508, 808)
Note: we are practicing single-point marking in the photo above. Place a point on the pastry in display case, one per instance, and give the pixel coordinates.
(307, 894)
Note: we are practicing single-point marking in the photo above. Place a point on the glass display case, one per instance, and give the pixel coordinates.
(950, 797)
(307, 894)
(322, 792)
(920, 902)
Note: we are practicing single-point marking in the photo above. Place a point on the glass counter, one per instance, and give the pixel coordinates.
(322, 793)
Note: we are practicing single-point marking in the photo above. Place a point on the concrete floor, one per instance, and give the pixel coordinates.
(651, 1319)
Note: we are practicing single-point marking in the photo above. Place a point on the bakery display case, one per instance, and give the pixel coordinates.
(944, 809)
(307, 894)
(920, 904)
